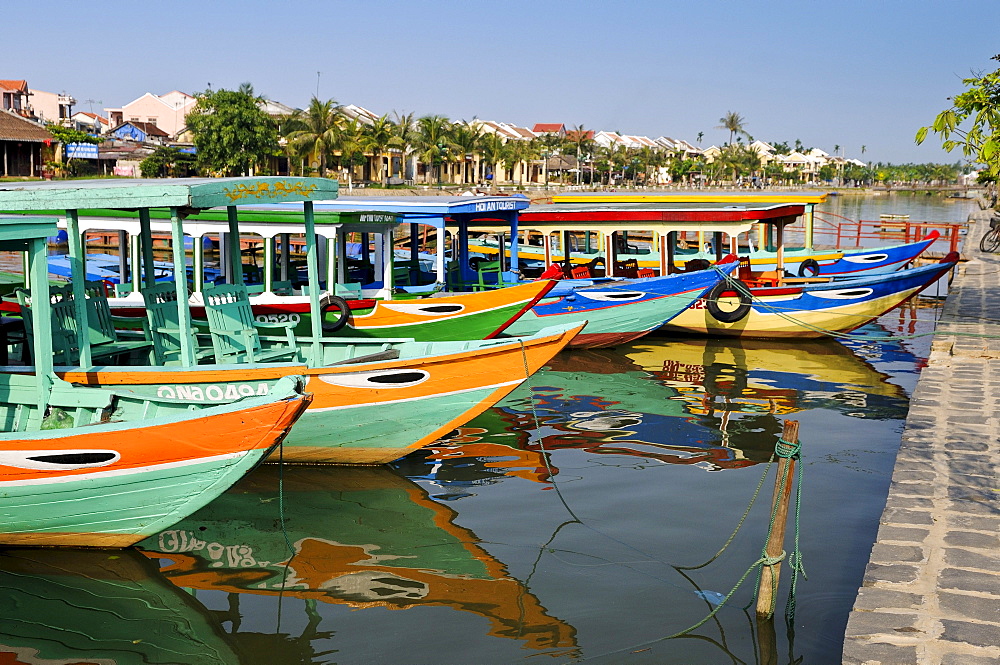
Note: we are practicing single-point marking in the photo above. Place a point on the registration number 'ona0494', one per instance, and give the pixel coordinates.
(213, 392)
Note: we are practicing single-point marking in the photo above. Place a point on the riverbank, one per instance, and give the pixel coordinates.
(931, 592)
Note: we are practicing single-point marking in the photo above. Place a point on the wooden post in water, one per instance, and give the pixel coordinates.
(776, 540)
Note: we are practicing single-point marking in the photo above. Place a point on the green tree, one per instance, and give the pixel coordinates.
(350, 143)
(433, 140)
(404, 137)
(979, 105)
(378, 136)
(467, 138)
(734, 122)
(166, 161)
(313, 131)
(494, 152)
(65, 136)
(232, 132)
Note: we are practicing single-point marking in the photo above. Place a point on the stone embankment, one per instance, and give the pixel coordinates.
(931, 592)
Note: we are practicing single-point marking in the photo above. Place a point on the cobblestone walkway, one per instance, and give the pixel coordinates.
(931, 591)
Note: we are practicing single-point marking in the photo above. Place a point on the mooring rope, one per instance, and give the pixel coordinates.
(782, 449)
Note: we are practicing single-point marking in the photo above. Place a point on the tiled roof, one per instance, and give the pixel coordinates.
(546, 128)
(15, 128)
(15, 85)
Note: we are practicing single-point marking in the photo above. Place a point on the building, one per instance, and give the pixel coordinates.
(52, 107)
(167, 112)
(22, 143)
(139, 132)
(14, 97)
(91, 123)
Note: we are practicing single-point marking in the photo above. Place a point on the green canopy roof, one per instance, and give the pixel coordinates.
(162, 193)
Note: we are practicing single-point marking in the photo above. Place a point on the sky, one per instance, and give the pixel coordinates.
(836, 73)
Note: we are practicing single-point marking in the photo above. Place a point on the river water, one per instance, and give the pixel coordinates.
(552, 528)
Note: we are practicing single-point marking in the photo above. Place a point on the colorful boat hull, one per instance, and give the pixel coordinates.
(621, 312)
(125, 481)
(831, 262)
(365, 413)
(814, 310)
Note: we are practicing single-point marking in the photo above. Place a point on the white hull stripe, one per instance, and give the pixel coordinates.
(416, 399)
(114, 473)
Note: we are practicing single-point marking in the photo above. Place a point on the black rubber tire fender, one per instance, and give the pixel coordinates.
(809, 268)
(724, 288)
(331, 302)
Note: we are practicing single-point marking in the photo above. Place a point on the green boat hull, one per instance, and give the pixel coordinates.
(134, 504)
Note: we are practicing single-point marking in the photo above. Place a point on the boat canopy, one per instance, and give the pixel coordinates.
(746, 197)
(460, 213)
(182, 193)
(689, 196)
(181, 198)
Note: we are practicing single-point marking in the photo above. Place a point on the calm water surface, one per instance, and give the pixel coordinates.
(550, 528)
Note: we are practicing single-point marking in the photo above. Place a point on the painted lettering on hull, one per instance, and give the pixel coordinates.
(212, 393)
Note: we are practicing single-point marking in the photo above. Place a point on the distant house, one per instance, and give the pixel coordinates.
(52, 107)
(21, 145)
(542, 128)
(167, 112)
(140, 132)
(14, 97)
(91, 123)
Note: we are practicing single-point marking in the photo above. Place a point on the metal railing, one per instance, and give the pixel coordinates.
(845, 232)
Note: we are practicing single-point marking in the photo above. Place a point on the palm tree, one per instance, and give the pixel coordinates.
(467, 137)
(494, 151)
(519, 152)
(404, 136)
(734, 122)
(313, 131)
(351, 146)
(433, 140)
(580, 137)
(701, 135)
(377, 138)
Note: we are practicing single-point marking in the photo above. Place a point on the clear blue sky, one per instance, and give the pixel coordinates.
(841, 72)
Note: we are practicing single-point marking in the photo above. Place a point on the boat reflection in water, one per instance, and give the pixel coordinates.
(92, 606)
(715, 404)
(363, 537)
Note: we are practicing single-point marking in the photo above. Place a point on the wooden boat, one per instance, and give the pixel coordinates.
(363, 412)
(89, 606)
(376, 308)
(620, 312)
(801, 261)
(128, 464)
(366, 539)
(434, 385)
(635, 233)
(807, 309)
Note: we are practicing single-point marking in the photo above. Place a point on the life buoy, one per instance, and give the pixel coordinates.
(337, 303)
(724, 289)
(809, 268)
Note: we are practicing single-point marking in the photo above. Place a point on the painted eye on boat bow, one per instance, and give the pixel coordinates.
(58, 460)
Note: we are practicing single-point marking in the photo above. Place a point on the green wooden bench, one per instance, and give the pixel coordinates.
(234, 331)
(105, 341)
(164, 325)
